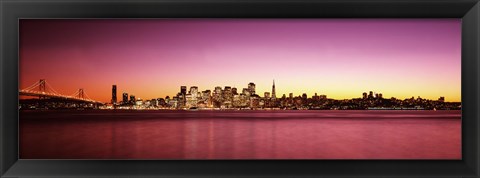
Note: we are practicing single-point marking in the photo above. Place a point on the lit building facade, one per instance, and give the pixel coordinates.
(114, 94)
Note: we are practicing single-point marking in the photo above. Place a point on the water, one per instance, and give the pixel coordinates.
(104, 134)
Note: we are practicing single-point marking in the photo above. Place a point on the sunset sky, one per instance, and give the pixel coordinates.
(152, 58)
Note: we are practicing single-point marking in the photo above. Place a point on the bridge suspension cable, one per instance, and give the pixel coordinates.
(51, 88)
(86, 95)
(74, 94)
(32, 86)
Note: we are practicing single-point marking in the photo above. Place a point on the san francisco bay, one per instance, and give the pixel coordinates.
(279, 134)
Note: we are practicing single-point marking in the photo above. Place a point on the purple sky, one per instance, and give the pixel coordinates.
(338, 57)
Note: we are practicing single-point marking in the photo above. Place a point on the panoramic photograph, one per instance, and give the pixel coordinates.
(196, 89)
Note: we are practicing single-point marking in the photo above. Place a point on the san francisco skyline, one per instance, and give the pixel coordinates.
(340, 58)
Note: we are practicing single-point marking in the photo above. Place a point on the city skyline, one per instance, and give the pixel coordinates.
(119, 94)
(152, 58)
(249, 98)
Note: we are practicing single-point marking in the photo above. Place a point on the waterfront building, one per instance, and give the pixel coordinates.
(246, 92)
(154, 102)
(217, 98)
(316, 97)
(441, 99)
(304, 96)
(251, 88)
(266, 95)
(167, 100)
(147, 103)
(183, 90)
(254, 101)
(161, 102)
(234, 91)
(114, 94)
(274, 96)
(218, 90)
(206, 98)
(125, 98)
(237, 101)
(173, 102)
(181, 100)
(262, 103)
(132, 99)
(194, 92)
(139, 102)
(227, 97)
(191, 100)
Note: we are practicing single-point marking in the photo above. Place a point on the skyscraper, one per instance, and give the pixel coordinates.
(194, 92)
(132, 99)
(251, 88)
(273, 90)
(183, 90)
(227, 96)
(246, 92)
(114, 94)
(125, 98)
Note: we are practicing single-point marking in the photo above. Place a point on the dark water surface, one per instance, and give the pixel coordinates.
(102, 134)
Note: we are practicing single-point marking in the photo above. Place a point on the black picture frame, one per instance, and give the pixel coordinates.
(467, 10)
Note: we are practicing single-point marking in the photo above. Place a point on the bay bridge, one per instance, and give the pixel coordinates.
(44, 91)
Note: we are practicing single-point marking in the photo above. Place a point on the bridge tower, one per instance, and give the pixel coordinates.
(41, 88)
(41, 85)
(80, 93)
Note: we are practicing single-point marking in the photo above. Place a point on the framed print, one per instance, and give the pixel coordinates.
(244, 88)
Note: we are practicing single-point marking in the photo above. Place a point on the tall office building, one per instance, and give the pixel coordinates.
(315, 97)
(125, 98)
(132, 99)
(194, 92)
(183, 90)
(251, 88)
(370, 95)
(217, 96)
(218, 90)
(273, 90)
(245, 92)
(114, 94)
